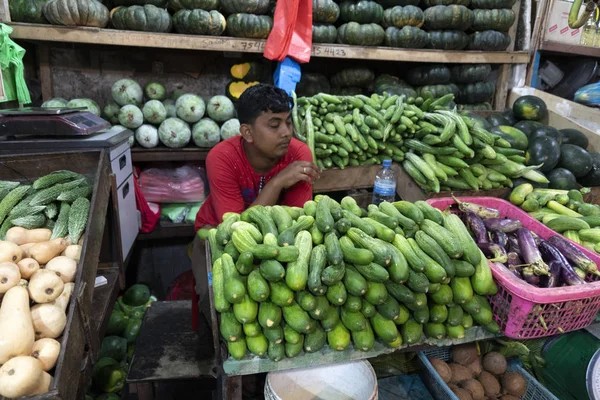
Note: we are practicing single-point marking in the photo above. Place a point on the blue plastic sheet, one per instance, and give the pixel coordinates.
(287, 75)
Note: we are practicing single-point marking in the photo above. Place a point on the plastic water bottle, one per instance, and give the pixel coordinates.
(385, 184)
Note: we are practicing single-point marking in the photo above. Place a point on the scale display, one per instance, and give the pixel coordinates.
(49, 122)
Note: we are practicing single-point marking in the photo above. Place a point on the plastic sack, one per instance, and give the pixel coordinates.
(194, 208)
(173, 185)
(150, 212)
(174, 212)
(292, 31)
(287, 75)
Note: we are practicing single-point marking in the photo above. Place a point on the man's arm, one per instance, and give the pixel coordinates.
(224, 189)
(297, 173)
(301, 192)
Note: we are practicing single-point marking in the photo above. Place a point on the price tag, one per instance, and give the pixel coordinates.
(2, 93)
(329, 51)
(253, 46)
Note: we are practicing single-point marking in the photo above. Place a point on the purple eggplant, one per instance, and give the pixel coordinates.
(494, 252)
(568, 274)
(513, 244)
(502, 225)
(551, 280)
(530, 277)
(477, 226)
(499, 238)
(574, 255)
(480, 211)
(514, 264)
(530, 252)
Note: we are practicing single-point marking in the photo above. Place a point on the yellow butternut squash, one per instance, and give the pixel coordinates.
(49, 319)
(46, 351)
(21, 236)
(23, 376)
(16, 327)
(43, 252)
(72, 251)
(10, 252)
(45, 286)
(26, 247)
(64, 266)
(28, 267)
(9, 276)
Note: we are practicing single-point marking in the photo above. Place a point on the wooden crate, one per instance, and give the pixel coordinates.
(77, 351)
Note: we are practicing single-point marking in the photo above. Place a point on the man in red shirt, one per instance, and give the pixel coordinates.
(266, 165)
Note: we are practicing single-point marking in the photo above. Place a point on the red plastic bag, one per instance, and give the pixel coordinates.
(150, 217)
(292, 31)
(173, 185)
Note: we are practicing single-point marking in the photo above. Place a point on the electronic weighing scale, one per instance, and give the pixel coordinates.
(36, 129)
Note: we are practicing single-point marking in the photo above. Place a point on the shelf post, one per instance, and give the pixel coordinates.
(4, 11)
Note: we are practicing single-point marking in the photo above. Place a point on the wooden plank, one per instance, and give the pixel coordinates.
(502, 87)
(4, 11)
(160, 154)
(45, 73)
(512, 32)
(168, 230)
(566, 48)
(335, 179)
(104, 298)
(255, 365)
(98, 36)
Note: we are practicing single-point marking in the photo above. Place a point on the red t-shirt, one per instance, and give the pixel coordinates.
(234, 184)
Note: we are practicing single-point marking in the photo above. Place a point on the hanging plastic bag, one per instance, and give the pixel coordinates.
(284, 23)
(13, 71)
(287, 75)
(150, 212)
(301, 44)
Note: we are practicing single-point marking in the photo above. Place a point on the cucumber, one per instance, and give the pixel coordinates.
(462, 290)
(317, 264)
(390, 309)
(444, 237)
(237, 349)
(421, 315)
(297, 318)
(384, 328)
(246, 311)
(230, 328)
(296, 275)
(258, 345)
(364, 340)
(411, 331)
(276, 351)
(306, 300)
(410, 210)
(281, 294)
(334, 250)
(288, 237)
(272, 270)
(376, 293)
(315, 341)
(333, 274)
(434, 271)
(367, 309)
(264, 251)
(373, 272)
(290, 335)
(455, 315)
(358, 222)
(434, 330)
(354, 282)
(245, 263)
(438, 313)
(353, 320)
(353, 303)
(400, 292)
(218, 283)
(337, 294)
(463, 269)
(323, 218)
(564, 223)
(252, 329)
(443, 296)
(321, 308)
(429, 212)
(338, 338)
(414, 261)
(418, 282)
(331, 319)
(282, 218)
(269, 314)
(354, 255)
(398, 268)
(234, 288)
(293, 349)
(432, 249)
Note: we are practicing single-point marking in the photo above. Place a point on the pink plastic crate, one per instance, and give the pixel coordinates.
(524, 311)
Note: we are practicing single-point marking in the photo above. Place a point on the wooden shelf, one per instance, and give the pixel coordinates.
(157, 154)
(104, 299)
(255, 365)
(50, 33)
(565, 48)
(166, 229)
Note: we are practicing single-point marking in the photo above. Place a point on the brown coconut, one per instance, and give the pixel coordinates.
(474, 387)
(476, 367)
(465, 354)
(490, 384)
(442, 369)
(514, 384)
(494, 363)
(460, 373)
(462, 394)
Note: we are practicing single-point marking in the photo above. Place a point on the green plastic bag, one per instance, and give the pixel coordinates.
(13, 71)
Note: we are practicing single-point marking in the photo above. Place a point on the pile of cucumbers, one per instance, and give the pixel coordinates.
(439, 148)
(287, 279)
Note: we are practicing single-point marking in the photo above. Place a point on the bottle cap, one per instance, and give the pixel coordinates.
(387, 163)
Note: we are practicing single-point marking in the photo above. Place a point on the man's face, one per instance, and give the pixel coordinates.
(271, 133)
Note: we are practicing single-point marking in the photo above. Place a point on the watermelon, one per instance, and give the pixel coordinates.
(206, 133)
(154, 112)
(127, 91)
(177, 93)
(190, 108)
(131, 116)
(90, 104)
(174, 133)
(111, 112)
(155, 91)
(220, 108)
(147, 136)
(230, 128)
(170, 107)
(132, 140)
(55, 103)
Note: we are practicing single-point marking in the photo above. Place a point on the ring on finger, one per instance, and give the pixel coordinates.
(304, 170)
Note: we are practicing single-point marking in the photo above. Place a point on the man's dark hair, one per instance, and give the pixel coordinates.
(260, 98)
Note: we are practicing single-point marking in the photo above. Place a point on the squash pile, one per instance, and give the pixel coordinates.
(41, 231)
(287, 279)
(468, 83)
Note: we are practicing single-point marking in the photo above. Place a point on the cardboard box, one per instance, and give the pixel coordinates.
(557, 28)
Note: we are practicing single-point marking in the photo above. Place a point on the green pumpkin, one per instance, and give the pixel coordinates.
(358, 77)
(489, 41)
(492, 4)
(360, 34)
(76, 13)
(249, 25)
(199, 22)
(448, 17)
(347, 91)
(403, 16)
(137, 18)
(436, 91)
(475, 107)
(245, 6)
(409, 37)
(496, 19)
(393, 86)
(478, 92)
(428, 74)
(127, 3)
(361, 11)
(469, 73)
(325, 11)
(393, 3)
(205, 5)
(431, 3)
(29, 11)
(312, 83)
(324, 33)
(448, 40)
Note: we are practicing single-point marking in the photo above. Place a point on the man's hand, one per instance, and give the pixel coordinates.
(296, 172)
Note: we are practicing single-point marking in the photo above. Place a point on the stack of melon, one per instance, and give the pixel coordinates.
(38, 267)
